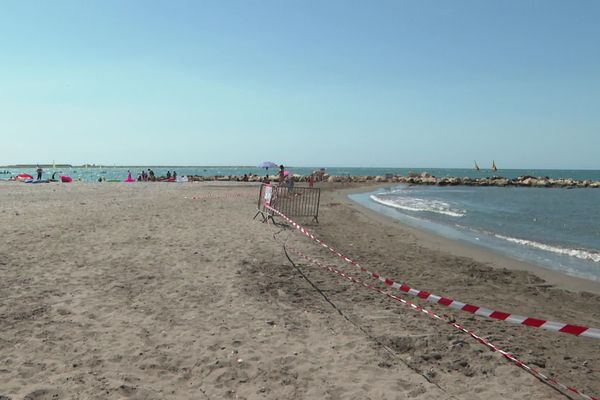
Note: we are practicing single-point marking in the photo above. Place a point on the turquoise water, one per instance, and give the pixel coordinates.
(120, 173)
(556, 228)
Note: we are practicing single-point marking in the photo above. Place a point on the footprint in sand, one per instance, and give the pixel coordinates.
(43, 394)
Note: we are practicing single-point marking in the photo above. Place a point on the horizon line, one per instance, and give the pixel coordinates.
(13, 166)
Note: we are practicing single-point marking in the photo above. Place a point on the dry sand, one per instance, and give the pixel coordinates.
(113, 291)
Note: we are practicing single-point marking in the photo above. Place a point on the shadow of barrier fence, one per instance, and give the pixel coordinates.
(291, 201)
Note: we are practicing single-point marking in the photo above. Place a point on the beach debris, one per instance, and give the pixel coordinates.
(449, 318)
(434, 356)
(539, 362)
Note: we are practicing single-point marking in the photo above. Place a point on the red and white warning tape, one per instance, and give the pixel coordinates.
(576, 330)
(546, 379)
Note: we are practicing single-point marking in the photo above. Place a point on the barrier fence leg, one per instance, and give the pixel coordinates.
(265, 217)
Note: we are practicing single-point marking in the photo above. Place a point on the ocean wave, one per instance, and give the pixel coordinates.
(419, 205)
(578, 253)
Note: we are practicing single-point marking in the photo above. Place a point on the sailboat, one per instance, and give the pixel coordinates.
(476, 166)
(494, 166)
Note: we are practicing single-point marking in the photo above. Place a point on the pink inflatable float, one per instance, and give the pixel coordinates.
(129, 178)
(66, 179)
(24, 177)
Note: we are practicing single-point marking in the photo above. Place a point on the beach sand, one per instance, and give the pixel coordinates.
(116, 291)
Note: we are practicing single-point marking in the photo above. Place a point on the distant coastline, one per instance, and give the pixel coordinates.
(13, 166)
(37, 165)
(433, 170)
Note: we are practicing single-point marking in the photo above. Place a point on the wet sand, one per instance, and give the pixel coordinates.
(113, 291)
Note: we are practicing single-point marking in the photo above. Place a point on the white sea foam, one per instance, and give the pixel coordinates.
(578, 253)
(419, 205)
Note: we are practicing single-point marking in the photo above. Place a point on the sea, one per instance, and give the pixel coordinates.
(555, 228)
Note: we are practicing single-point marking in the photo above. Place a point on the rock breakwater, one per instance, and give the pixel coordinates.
(424, 179)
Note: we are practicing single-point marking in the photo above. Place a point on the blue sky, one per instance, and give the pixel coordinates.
(308, 83)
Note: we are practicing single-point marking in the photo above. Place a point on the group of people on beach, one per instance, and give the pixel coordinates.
(149, 176)
(286, 179)
(40, 173)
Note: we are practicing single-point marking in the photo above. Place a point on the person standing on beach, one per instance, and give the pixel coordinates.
(281, 175)
(39, 171)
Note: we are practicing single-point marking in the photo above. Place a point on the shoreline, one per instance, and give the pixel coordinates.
(481, 254)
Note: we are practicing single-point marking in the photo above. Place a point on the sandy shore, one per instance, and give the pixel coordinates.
(113, 291)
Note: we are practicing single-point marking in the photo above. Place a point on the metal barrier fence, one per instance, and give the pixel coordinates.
(291, 201)
(264, 201)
